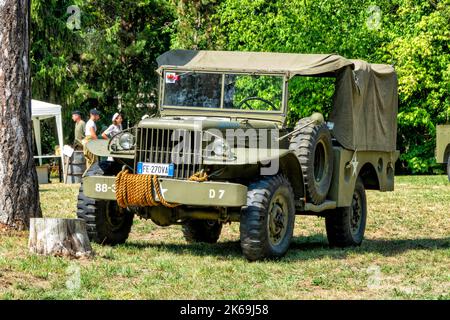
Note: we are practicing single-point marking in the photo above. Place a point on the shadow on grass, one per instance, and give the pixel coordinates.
(227, 250)
(316, 246)
(302, 248)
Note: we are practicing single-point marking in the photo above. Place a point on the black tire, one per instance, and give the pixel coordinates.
(265, 231)
(202, 231)
(314, 149)
(344, 227)
(106, 222)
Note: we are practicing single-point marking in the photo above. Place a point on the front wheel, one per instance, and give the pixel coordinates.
(106, 222)
(346, 226)
(267, 222)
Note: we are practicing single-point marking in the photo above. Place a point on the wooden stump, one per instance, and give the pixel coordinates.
(59, 237)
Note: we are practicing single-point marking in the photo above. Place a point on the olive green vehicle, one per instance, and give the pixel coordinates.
(221, 151)
(443, 146)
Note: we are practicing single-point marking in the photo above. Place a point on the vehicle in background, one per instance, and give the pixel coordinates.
(443, 146)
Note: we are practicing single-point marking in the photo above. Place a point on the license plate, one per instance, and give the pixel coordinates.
(158, 169)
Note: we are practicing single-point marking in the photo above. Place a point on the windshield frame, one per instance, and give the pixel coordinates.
(221, 110)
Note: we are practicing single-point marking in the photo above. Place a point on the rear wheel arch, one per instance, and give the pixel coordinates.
(369, 177)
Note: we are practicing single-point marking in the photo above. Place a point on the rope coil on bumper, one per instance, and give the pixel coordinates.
(137, 189)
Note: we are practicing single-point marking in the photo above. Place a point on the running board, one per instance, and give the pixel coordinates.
(316, 208)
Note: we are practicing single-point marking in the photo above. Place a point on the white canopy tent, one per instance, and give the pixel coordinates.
(40, 111)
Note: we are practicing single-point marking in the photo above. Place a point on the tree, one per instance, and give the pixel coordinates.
(193, 26)
(19, 194)
(419, 37)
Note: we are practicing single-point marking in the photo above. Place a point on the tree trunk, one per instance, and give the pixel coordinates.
(59, 237)
(19, 192)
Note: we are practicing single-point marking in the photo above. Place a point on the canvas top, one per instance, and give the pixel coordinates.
(290, 64)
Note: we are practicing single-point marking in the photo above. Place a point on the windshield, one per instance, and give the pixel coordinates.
(228, 91)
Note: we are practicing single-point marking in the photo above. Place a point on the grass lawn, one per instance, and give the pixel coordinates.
(406, 254)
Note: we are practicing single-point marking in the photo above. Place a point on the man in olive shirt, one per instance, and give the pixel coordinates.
(80, 127)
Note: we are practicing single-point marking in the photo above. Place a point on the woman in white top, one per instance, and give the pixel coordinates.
(115, 128)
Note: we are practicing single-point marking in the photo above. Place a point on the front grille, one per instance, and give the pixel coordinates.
(180, 147)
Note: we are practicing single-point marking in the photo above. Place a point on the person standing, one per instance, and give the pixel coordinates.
(114, 128)
(91, 127)
(90, 134)
(80, 128)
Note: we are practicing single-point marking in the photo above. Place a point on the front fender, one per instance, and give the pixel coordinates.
(99, 148)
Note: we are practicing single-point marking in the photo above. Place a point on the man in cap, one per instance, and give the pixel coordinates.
(80, 127)
(91, 127)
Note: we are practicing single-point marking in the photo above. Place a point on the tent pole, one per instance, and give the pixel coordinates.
(60, 138)
(37, 135)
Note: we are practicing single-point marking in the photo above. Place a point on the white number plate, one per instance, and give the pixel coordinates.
(158, 169)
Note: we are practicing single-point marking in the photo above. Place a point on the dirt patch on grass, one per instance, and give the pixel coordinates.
(7, 231)
(10, 279)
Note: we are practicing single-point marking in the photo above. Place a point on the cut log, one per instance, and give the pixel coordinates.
(59, 237)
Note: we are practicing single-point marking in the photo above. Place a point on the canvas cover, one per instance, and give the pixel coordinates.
(365, 100)
(269, 62)
(365, 107)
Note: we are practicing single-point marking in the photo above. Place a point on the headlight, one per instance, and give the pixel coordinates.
(126, 141)
(221, 148)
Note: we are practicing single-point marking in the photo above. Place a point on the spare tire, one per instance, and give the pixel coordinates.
(312, 146)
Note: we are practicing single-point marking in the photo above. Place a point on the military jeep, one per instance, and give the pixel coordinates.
(219, 150)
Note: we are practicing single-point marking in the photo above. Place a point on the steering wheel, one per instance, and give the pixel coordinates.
(244, 101)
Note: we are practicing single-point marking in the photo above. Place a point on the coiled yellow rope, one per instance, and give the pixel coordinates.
(137, 189)
(199, 176)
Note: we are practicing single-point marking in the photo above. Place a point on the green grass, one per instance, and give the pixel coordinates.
(406, 255)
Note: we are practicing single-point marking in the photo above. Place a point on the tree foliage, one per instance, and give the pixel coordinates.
(113, 55)
(413, 35)
(108, 64)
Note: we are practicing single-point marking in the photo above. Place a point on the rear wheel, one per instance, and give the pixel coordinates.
(202, 231)
(267, 222)
(346, 226)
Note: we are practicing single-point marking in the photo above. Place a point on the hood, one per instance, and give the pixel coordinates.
(204, 123)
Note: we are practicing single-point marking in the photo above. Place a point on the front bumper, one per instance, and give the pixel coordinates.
(208, 193)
